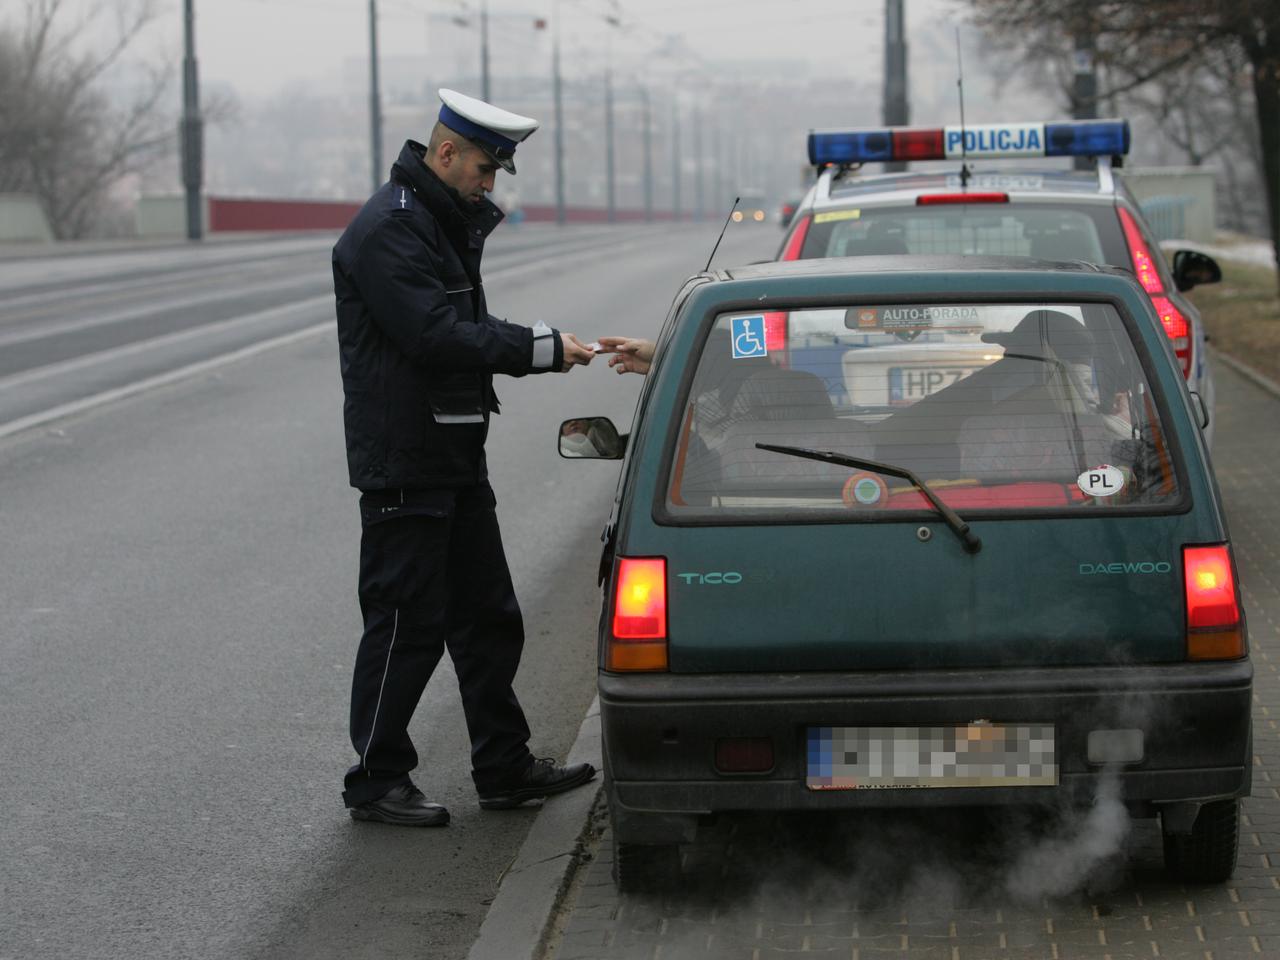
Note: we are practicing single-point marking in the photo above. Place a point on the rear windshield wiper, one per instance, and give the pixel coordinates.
(970, 540)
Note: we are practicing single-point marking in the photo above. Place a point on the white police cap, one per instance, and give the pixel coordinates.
(494, 130)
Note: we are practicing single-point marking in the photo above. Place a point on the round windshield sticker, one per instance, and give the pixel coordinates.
(1101, 481)
(864, 490)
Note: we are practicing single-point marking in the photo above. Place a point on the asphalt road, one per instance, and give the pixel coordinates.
(177, 588)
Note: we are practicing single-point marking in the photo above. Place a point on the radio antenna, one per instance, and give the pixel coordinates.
(964, 151)
(721, 237)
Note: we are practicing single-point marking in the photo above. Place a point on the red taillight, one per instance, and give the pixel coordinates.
(1144, 266)
(775, 332)
(640, 607)
(1175, 324)
(795, 242)
(929, 199)
(1178, 330)
(918, 145)
(639, 640)
(1214, 630)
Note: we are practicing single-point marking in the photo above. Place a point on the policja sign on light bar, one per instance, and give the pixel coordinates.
(994, 140)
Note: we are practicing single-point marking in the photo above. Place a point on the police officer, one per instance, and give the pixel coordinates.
(418, 351)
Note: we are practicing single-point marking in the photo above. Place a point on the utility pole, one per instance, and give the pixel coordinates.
(717, 169)
(701, 164)
(1084, 86)
(648, 157)
(608, 142)
(559, 143)
(375, 99)
(675, 158)
(484, 51)
(894, 110)
(191, 129)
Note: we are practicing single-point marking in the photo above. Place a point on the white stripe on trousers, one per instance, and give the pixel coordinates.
(395, 627)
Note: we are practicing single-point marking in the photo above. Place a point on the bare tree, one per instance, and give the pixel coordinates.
(1142, 41)
(62, 138)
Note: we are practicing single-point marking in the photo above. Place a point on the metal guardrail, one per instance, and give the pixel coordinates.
(1167, 215)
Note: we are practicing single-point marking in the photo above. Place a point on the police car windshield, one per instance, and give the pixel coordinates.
(1045, 232)
(996, 407)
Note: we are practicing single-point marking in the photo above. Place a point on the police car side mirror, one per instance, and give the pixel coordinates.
(1192, 268)
(591, 438)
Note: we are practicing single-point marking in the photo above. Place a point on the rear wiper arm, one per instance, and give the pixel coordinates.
(970, 540)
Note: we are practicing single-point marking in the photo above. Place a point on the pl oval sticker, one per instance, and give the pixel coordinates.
(1101, 481)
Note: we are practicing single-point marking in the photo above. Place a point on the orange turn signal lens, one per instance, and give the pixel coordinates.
(1220, 645)
(631, 655)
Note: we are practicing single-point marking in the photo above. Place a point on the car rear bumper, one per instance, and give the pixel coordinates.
(660, 732)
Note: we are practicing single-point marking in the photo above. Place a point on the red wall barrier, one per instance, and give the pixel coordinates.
(226, 214)
(229, 214)
(546, 213)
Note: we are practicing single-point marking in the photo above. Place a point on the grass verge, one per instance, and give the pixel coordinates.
(1242, 315)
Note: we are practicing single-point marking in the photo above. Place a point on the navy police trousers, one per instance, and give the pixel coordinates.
(433, 576)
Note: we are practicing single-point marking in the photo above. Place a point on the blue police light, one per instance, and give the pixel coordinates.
(1086, 138)
(850, 146)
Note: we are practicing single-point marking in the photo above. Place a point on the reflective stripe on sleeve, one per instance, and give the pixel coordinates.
(544, 347)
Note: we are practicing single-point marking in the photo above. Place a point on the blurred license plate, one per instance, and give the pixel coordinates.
(909, 384)
(973, 755)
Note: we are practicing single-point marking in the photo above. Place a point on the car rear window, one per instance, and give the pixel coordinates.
(998, 407)
(1090, 233)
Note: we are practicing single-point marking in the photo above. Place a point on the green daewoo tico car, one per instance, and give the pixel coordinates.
(992, 569)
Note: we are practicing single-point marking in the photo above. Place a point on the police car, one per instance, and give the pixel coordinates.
(995, 570)
(1057, 215)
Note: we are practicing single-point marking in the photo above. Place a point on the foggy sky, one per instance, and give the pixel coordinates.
(259, 48)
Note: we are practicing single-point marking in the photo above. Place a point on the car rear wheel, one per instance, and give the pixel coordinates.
(1208, 853)
(645, 868)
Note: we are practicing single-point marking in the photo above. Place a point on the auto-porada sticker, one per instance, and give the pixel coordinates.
(1101, 481)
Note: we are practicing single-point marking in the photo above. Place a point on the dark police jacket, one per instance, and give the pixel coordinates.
(417, 346)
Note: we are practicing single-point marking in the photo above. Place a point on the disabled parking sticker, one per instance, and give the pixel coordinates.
(1101, 481)
(748, 337)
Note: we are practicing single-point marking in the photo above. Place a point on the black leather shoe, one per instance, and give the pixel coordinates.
(541, 779)
(404, 806)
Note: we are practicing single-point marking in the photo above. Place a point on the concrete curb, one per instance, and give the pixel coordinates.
(1257, 378)
(518, 922)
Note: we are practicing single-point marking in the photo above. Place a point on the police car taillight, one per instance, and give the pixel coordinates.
(795, 242)
(775, 332)
(1175, 324)
(1079, 138)
(1214, 627)
(638, 639)
(929, 199)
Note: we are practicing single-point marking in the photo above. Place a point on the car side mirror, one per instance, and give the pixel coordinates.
(1202, 411)
(1192, 268)
(591, 438)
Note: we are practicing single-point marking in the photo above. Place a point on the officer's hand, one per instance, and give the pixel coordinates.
(575, 352)
(629, 355)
